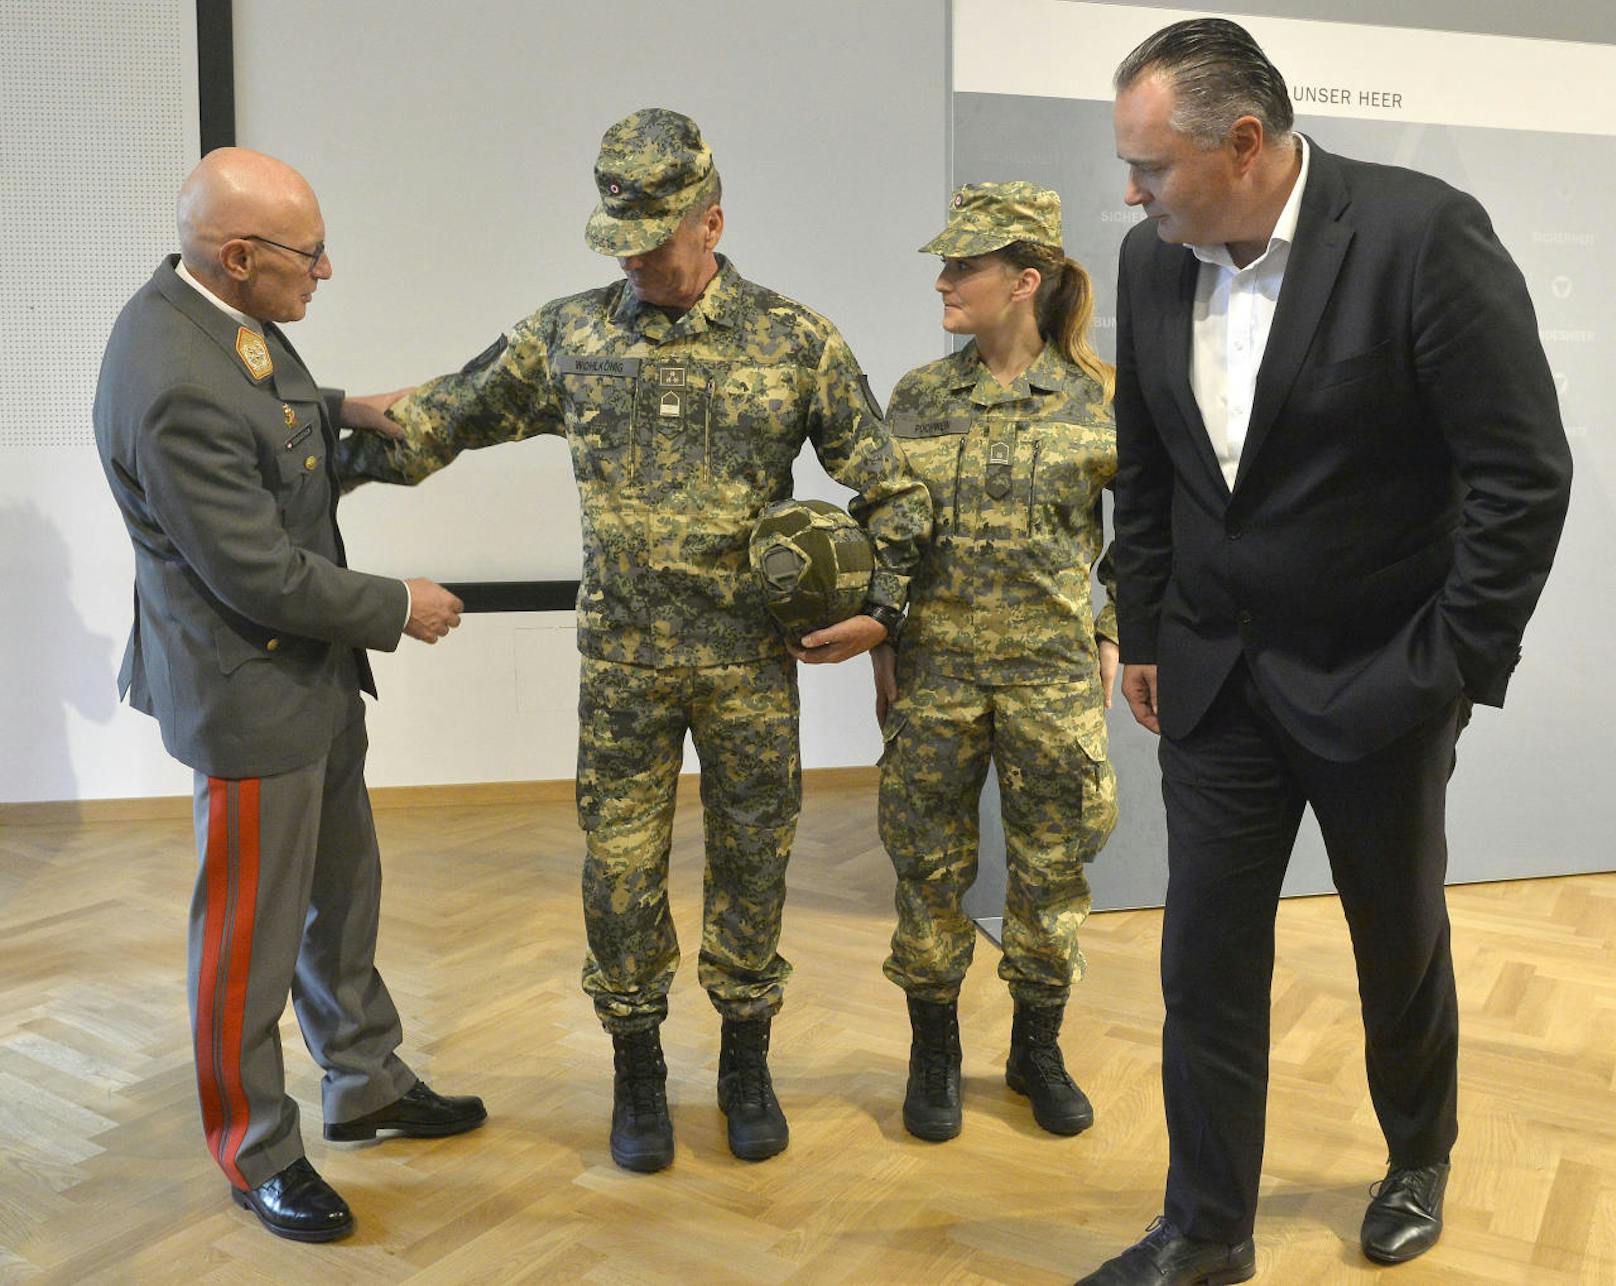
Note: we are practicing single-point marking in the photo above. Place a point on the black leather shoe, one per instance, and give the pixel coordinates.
(419, 1114)
(1166, 1257)
(1405, 1218)
(297, 1203)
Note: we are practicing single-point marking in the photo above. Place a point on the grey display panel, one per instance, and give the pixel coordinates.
(1528, 797)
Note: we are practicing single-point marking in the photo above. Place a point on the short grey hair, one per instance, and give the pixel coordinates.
(1218, 74)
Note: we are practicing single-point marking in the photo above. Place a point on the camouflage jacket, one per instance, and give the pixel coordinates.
(681, 432)
(1016, 476)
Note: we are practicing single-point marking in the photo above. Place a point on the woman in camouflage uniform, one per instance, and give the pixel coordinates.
(1001, 656)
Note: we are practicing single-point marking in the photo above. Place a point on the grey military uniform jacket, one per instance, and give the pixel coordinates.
(249, 628)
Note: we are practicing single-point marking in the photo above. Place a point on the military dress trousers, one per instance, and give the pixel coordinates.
(681, 431)
(999, 661)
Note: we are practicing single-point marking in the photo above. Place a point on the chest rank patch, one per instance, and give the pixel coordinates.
(998, 470)
(254, 353)
(671, 402)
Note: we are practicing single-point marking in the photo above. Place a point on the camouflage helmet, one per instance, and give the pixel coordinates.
(983, 217)
(813, 563)
(652, 169)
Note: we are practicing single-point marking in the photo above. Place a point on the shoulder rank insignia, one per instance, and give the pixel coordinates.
(254, 353)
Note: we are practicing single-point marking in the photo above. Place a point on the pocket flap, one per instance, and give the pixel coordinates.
(234, 651)
(1092, 735)
(889, 732)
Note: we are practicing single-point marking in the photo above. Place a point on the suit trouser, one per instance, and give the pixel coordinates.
(1235, 788)
(1058, 796)
(632, 721)
(287, 899)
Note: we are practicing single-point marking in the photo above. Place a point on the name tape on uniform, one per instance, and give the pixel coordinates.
(912, 426)
(578, 364)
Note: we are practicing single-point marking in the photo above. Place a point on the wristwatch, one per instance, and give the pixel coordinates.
(890, 617)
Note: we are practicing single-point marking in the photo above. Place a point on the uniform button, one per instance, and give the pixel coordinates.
(272, 645)
(1242, 618)
(1235, 531)
(311, 463)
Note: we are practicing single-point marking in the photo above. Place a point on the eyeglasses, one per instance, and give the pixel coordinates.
(313, 256)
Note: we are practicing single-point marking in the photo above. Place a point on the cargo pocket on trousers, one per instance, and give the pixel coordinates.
(1099, 809)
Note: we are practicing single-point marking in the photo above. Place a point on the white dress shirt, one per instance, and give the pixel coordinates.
(184, 274)
(1234, 309)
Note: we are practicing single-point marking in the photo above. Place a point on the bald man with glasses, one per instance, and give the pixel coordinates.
(248, 647)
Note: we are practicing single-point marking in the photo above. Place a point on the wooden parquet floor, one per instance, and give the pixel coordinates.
(103, 1176)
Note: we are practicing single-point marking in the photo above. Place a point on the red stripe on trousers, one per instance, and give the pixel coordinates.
(216, 878)
(237, 971)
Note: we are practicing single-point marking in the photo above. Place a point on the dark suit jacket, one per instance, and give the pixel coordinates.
(247, 623)
(1402, 485)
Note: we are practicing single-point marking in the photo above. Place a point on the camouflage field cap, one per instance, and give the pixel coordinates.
(989, 216)
(813, 562)
(652, 166)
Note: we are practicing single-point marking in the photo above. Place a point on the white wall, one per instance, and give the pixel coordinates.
(451, 147)
(452, 150)
(100, 125)
(453, 155)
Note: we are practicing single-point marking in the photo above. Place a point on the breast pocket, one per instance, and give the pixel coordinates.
(1070, 465)
(754, 428)
(1371, 362)
(302, 488)
(934, 449)
(999, 470)
(599, 396)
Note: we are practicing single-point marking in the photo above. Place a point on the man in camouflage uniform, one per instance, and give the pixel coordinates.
(1000, 658)
(685, 394)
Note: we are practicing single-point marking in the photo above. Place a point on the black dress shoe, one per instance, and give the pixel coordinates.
(299, 1204)
(1166, 1257)
(1405, 1218)
(419, 1114)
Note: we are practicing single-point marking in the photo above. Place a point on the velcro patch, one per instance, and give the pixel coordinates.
(487, 357)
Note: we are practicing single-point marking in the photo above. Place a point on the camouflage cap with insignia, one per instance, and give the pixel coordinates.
(988, 216)
(652, 168)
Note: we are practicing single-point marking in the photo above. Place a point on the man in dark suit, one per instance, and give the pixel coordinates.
(248, 647)
(1342, 477)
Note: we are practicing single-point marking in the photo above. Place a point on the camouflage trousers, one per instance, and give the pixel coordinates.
(631, 733)
(1059, 803)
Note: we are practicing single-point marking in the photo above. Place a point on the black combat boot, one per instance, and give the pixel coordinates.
(931, 1105)
(757, 1126)
(1037, 1070)
(642, 1133)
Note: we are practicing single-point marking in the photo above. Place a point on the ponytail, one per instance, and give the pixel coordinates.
(1064, 307)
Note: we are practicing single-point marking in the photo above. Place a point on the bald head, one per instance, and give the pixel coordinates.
(231, 208)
